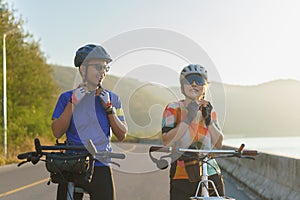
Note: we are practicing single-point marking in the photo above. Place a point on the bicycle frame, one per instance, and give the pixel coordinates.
(204, 156)
(204, 178)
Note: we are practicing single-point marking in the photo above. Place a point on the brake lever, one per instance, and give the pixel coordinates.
(248, 157)
(23, 162)
(232, 156)
(240, 156)
(33, 159)
(112, 162)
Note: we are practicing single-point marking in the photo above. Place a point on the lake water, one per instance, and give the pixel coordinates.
(283, 146)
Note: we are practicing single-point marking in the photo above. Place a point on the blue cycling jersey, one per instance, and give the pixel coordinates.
(89, 120)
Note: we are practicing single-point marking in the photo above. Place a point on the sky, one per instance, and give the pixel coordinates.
(243, 42)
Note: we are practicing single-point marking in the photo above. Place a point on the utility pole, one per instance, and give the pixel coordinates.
(11, 31)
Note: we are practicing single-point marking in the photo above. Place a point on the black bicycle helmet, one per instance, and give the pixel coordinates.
(90, 51)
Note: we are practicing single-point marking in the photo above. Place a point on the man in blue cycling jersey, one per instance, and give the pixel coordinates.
(89, 112)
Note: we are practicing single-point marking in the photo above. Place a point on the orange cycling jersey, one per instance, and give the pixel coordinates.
(173, 114)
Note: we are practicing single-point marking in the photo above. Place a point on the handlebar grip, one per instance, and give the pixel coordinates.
(159, 149)
(25, 155)
(249, 152)
(117, 155)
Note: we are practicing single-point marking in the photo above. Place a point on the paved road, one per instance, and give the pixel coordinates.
(136, 179)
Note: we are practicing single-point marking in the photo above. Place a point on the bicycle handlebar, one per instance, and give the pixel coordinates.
(63, 147)
(161, 163)
(35, 156)
(239, 152)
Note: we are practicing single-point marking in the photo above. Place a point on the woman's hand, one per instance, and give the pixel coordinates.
(206, 112)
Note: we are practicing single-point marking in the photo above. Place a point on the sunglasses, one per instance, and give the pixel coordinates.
(100, 67)
(190, 79)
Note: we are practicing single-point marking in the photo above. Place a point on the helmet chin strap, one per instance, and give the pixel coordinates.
(190, 98)
(99, 85)
(85, 77)
(182, 91)
(99, 89)
(203, 96)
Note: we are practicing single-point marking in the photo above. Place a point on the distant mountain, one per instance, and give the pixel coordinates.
(269, 109)
(64, 76)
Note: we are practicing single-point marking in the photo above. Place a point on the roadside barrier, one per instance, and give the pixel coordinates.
(271, 176)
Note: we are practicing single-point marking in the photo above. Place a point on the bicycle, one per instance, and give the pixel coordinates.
(202, 157)
(67, 166)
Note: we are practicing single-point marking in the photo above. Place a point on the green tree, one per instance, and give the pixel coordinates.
(31, 91)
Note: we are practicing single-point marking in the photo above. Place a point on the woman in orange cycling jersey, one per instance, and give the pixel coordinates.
(191, 123)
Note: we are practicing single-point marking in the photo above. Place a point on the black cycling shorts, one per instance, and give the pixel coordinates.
(101, 186)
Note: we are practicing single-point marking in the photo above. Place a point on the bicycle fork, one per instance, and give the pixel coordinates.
(204, 182)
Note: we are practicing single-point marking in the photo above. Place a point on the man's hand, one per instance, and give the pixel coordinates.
(192, 108)
(105, 99)
(79, 93)
(206, 112)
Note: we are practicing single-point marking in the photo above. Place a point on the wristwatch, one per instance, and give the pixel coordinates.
(111, 111)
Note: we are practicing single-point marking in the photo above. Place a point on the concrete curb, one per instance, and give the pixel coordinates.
(272, 177)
